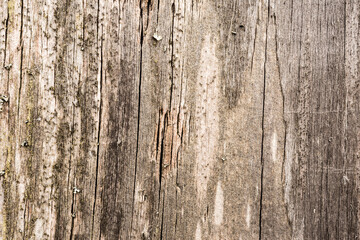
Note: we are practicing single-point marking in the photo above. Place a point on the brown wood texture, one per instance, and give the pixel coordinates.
(179, 119)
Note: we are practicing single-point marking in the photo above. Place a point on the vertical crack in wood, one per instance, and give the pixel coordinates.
(168, 117)
(263, 118)
(21, 55)
(158, 10)
(177, 171)
(24, 230)
(138, 117)
(72, 129)
(83, 25)
(148, 7)
(99, 122)
(20, 86)
(6, 33)
(72, 144)
(282, 96)
(172, 53)
(172, 80)
(72, 214)
(162, 152)
(162, 218)
(282, 91)
(254, 43)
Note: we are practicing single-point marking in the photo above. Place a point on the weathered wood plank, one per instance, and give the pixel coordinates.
(120, 83)
(273, 219)
(316, 43)
(144, 119)
(13, 182)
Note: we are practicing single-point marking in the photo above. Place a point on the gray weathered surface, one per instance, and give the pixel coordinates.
(179, 119)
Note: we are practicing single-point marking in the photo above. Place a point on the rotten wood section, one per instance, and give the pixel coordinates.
(181, 119)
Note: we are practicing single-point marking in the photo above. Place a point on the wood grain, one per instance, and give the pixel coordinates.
(181, 119)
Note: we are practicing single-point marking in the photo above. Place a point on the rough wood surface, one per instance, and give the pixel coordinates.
(181, 119)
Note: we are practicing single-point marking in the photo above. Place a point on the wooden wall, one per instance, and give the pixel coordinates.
(179, 119)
